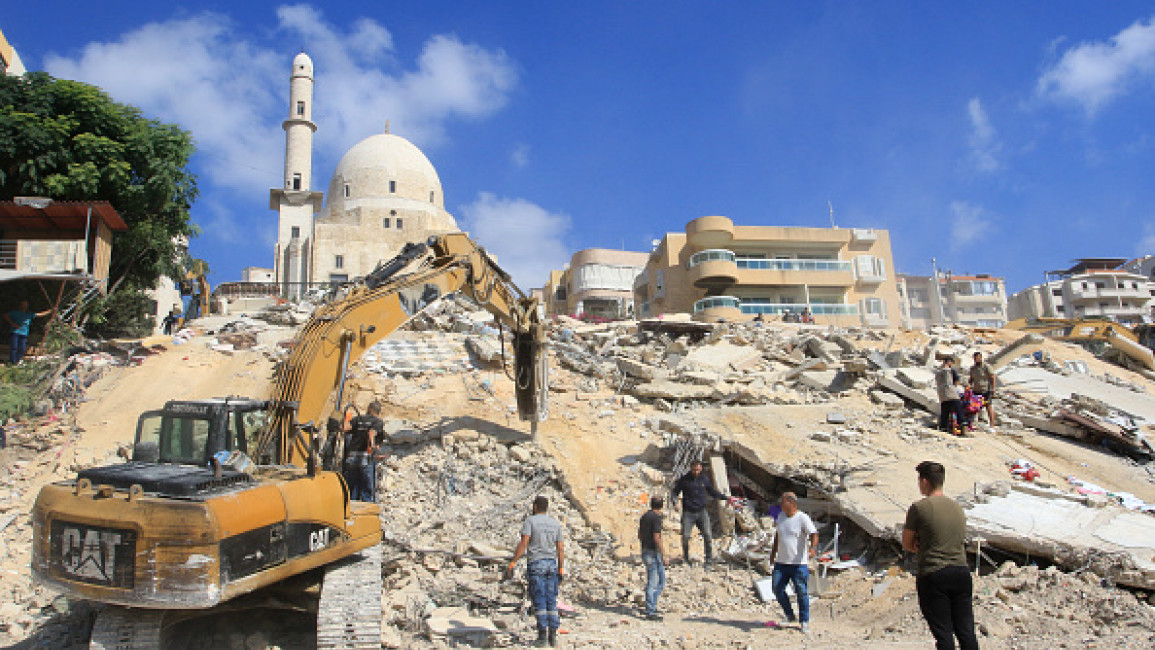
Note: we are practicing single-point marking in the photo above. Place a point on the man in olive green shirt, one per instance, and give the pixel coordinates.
(936, 529)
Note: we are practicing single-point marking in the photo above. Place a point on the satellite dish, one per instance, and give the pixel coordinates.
(655, 242)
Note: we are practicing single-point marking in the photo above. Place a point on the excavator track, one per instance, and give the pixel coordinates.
(121, 628)
(349, 613)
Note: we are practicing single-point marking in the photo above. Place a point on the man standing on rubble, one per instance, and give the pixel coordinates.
(936, 530)
(983, 384)
(359, 466)
(541, 543)
(946, 381)
(794, 535)
(653, 556)
(696, 490)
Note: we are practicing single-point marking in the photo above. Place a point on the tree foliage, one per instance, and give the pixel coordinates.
(70, 141)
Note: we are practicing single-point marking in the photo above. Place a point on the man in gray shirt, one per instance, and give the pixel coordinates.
(541, 543)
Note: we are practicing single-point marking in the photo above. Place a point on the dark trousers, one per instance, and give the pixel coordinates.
(18, 346)
(701, 519)
(945, 600)
(359, 477)
(950, 407)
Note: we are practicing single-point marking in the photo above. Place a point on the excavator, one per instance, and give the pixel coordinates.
(226, 499)
(1129, 348)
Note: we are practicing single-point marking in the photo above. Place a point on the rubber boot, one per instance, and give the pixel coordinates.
(553, 637)
(542, 639)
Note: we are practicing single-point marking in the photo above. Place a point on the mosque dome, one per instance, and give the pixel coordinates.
(385, 167)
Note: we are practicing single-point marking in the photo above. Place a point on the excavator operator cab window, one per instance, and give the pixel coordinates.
(244, 430)
(178, 439)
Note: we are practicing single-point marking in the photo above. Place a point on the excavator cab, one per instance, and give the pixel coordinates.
(193, 433)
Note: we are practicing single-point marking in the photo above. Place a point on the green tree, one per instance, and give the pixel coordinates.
(70, 141)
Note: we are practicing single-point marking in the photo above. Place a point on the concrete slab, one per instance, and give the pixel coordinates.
(1067, 530)
(1063, 386)
(915, 377)
(723, 356)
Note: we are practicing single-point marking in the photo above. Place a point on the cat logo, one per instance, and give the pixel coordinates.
(89, 554)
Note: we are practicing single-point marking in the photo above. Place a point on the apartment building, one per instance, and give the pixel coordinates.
(716, 270)
(597, 282)
(1094, 287)
(969, 300)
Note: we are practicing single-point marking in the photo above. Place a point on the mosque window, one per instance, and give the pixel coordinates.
(431, 197)
(392, 187)
(296, 232)
(339, 261)
(300, 108)
(347, 190)
(296, 181)
(398, 224)
(385, 223)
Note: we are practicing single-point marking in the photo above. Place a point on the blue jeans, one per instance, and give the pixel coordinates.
(655, 579)
(360, 480)
(542, 578)
(799, 574)
(18, 345)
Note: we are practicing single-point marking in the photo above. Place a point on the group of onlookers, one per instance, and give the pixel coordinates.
(960, 403)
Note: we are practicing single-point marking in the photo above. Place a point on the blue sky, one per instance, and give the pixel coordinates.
(997, 137)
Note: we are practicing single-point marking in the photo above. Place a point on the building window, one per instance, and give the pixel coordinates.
(296, 181)
(1057, 292)
(296, 232)
(300, 108)
(392, 187)
(348, 190)
(398, 224)
(339, 261)
(385, 223)
(431, 196)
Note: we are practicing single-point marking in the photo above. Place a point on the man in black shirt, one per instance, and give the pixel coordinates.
(360, 469)
(696, 490)
(653, 555)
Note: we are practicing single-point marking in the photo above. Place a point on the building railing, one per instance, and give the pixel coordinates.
(775, 308)
(794, 265)
(711, 255)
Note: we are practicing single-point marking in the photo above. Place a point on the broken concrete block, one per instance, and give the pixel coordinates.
(487, 349)
(834, 417)
(915, 377)
(723, 356)
(819, 379)
(637, 369)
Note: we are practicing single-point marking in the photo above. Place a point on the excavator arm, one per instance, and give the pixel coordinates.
(309, 385)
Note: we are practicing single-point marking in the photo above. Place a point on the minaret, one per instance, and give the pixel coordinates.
(294, 203)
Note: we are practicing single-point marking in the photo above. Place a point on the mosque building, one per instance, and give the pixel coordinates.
(383, 194)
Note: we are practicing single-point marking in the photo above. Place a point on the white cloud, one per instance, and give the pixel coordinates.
(190, 72)
(526, 238)
(984, 144)
(969, 224)
(520, 156)
(1093, 74)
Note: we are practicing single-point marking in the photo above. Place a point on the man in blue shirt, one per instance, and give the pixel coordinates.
(21, 321)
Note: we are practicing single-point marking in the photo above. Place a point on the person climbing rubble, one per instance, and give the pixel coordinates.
(795, 541)
(983, 383)
(541, 543)
(697, 490)
(946, 381)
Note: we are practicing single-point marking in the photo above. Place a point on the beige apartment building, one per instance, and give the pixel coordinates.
(597, 282)
(969, 300)
(1094, 287)
(716, 270)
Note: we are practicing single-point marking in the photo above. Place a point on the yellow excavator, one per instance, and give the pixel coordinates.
(227, 496)
(1103, 337)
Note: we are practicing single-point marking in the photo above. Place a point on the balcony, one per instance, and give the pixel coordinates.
(779, 308)
(717, 308)
(794, 272)
(713, 268)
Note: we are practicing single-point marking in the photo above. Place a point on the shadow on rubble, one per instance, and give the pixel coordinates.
(67, 630)
(504, 434)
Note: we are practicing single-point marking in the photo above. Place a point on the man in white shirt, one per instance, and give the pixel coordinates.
(795, 540)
